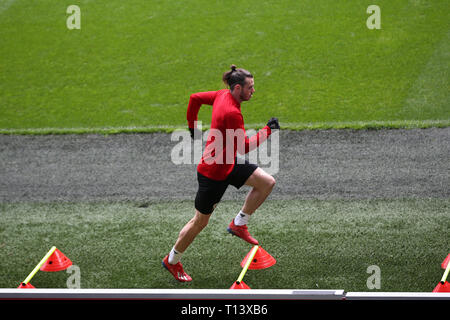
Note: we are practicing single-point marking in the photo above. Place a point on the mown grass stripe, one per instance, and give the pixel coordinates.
(357, 125)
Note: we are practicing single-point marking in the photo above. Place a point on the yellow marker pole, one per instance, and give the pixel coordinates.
(39, 265)
(447, 270)
(247, 264)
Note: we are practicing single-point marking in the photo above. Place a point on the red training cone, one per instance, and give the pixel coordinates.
(56, 262)
(442, 287)
(240, 285)
(25, 286)
(445, 262)
(261, 260)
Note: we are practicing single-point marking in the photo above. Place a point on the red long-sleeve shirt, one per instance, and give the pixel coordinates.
(226, 135)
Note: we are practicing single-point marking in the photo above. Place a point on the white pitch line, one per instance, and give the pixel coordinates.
(288, 125)
(216, 294)
(168, 294)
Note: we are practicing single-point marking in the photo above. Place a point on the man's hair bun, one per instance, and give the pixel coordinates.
(235, 76)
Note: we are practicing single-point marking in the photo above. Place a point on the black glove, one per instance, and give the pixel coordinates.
(273, 123)
(193, 131)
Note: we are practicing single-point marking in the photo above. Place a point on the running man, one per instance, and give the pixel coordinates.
(219, 167)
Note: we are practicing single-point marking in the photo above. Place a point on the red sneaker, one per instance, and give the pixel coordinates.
(176, 270)
(241, 232)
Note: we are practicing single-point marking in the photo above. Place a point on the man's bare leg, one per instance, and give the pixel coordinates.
(262, 184)
(172, 261)
(191, 230)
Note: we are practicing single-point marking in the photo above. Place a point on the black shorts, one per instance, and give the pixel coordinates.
(211, 191)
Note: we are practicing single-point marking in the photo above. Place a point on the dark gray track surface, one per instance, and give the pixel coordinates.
(331, 164)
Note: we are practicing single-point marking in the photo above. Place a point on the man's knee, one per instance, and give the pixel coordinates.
(262, 181)
(266, 183)
(200, 220)
(270, 182)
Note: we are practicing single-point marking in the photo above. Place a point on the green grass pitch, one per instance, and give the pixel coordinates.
(133, 65)
(317, 244)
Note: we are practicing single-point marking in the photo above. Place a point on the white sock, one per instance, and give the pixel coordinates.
(241, 218)
(174, 256)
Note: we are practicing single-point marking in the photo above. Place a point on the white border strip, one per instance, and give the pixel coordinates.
(93, 130)
(397, 296)
(172, 294)
(213, 294)
(289, 125)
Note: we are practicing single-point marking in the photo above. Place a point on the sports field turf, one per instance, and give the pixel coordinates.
(131, 68)
(317, 244)
(133, 65)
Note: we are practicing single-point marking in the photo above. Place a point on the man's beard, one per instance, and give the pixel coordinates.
(244, 98)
